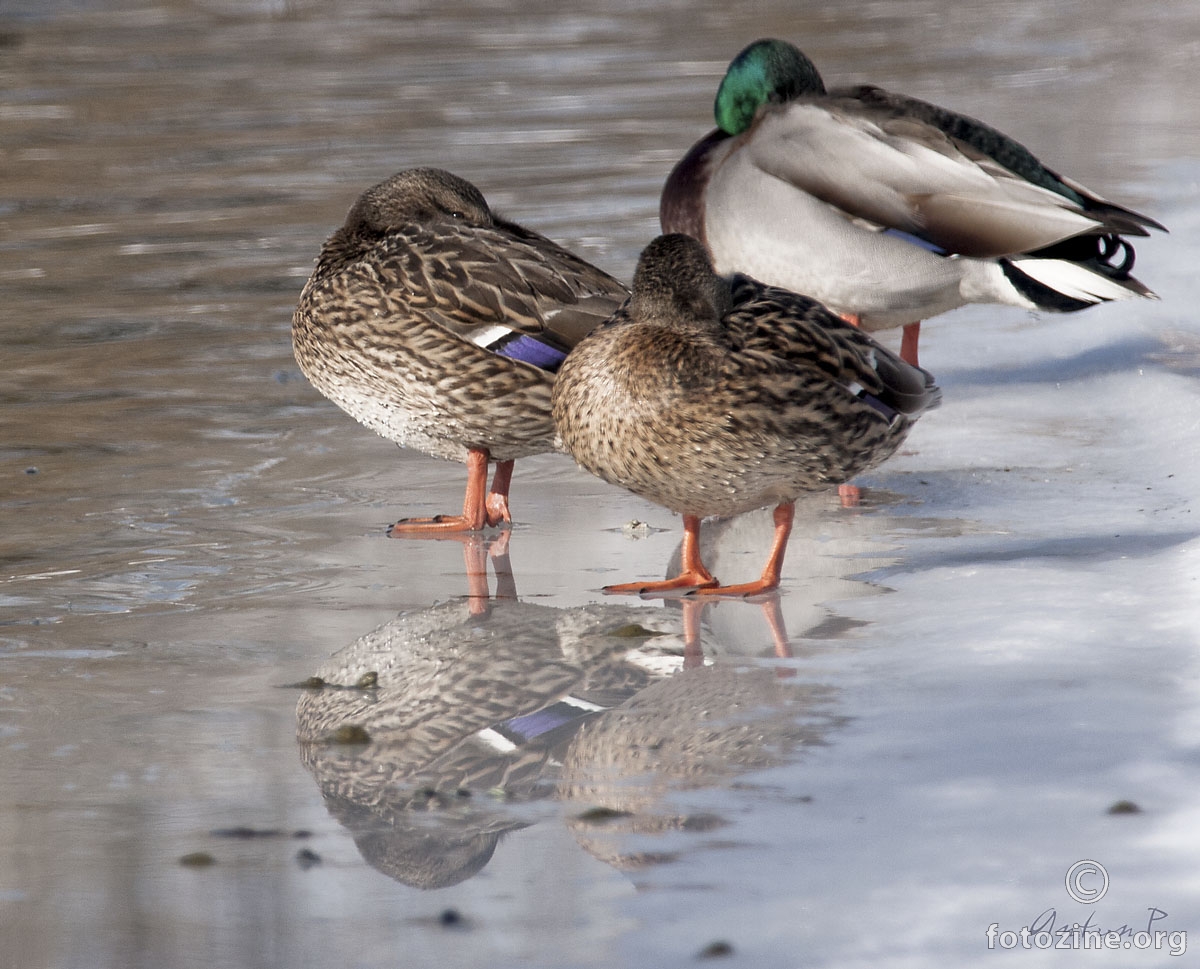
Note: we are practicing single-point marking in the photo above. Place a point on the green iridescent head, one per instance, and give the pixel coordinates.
(767, 71)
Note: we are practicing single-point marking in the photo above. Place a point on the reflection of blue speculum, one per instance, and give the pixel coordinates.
(472, 709)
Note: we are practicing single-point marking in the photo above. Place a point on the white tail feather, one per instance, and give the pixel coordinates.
(1075, 281)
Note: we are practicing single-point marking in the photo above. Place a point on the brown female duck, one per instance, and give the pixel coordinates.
(439, 325)
(713, 397)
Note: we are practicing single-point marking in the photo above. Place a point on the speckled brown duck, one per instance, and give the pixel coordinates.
(448, 717)
(440, 325)
(714, 397)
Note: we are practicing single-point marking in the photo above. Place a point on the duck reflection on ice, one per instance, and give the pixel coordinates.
(425, 733)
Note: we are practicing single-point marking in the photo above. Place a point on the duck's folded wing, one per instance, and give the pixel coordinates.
(903, 174)
(798, 332)
(979, 139)
(520, 296)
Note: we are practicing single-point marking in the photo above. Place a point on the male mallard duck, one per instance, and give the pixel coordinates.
(439, 325)
(716, 397)
(887, 209)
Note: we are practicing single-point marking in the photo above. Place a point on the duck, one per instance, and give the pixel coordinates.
(424, 732)
(714, 396)
(888, 209)
(440, 325)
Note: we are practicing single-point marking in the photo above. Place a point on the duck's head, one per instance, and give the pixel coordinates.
(768, 71)
(675, 283)
(419, 195)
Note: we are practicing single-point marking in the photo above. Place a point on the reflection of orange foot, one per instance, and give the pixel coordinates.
(477, 551)
(779, 636)
(506, 583)
(475, 564)
(497, 546)
(693, 652)
(849, 494)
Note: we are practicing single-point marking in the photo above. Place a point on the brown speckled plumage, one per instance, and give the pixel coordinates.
(451, 686)
(713, 398)
(394, 323)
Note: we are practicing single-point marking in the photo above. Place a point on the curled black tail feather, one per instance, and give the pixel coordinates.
(1096, 252)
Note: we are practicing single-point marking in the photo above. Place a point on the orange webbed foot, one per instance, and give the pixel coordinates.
(685, 581)
(742, 590)
(432, 527)
(474, 514)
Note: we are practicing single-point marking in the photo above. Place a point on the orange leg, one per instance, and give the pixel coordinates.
(908, 343)
(769, 580)
(692, 573)
(474, 513)
(496, 504)
(852, 318)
